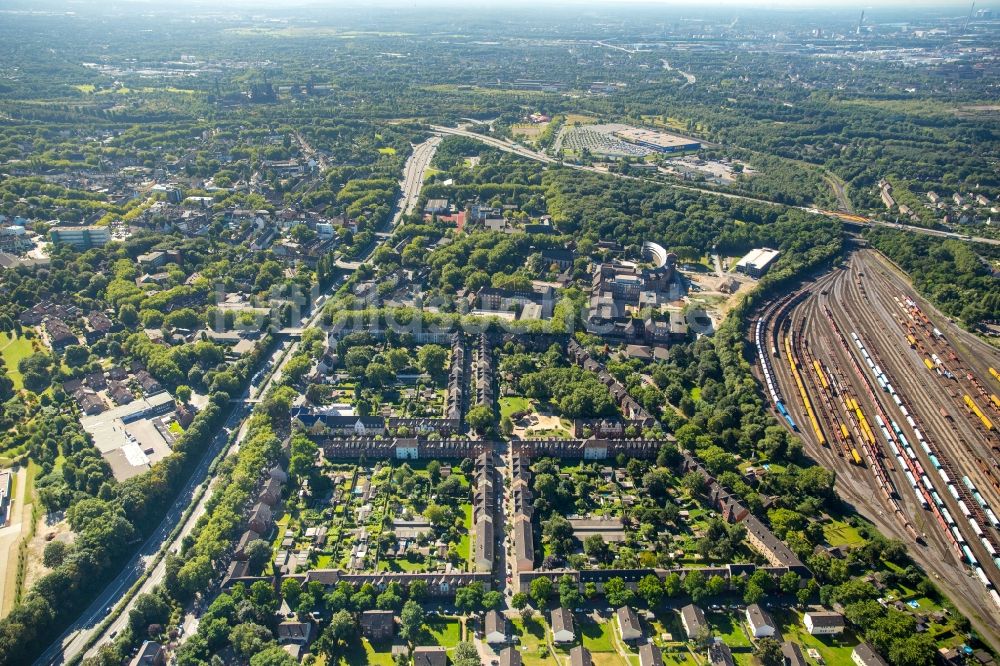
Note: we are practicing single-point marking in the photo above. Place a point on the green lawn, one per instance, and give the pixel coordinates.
(727, 627)
(510, 405)
(839, 533)
(835, 650)
(364, 652)
(13, 350)
(597, 636)
(465, 543)
(444, 631)
(531, 640)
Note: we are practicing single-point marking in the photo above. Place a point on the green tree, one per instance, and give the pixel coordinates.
(479, 418)
(432, 359)
(411, 620)
(650, 588)
(768, 650)
(341, 629)
(469, 599)
(183, 393)
(541, 590)
(273, 656)
(617, 592)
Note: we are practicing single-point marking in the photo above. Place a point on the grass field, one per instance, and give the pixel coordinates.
(13, 350)
(387, 151)
(531, 636)
(597, 636)
(362, 652)
(465, 543)
(509, 406)
(839, 533)
(835, 650)
(528, 130)
(444, 631)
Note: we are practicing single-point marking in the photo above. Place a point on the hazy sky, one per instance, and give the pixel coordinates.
(956, 5)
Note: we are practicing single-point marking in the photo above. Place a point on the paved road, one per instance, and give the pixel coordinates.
(516, 149)
(414, 173)
(78, 635)
(73, 640)
(251, 396)
(413, 177)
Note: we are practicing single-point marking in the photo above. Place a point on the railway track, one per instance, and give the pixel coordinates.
(849, 376)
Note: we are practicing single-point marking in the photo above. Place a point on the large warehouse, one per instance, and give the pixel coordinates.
(756, 262)
(661, 142)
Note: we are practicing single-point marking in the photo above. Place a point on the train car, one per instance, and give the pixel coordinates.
(969, 556)
(988, 545)
(958, 535)
(976, 528)
(938, 334)
(953, 491)
(928, 363)
(844, 433)
(995, 400)
(992, 517)
(994, 595)
(920, 498)
(936, 498)
(927, 482)
(995, 374)
(909, 477)
(822, 375)
(946, 514)
(964, 508)
(983, 579)
(895, 449)
(973, 408)
(855, 457)
(912, 340)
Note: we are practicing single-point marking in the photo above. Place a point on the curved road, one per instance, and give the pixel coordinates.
(517, 149)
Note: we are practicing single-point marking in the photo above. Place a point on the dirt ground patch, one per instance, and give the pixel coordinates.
(528, 130)
(56, 530)
(536, 422)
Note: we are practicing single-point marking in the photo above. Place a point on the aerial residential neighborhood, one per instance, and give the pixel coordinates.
(564, 334)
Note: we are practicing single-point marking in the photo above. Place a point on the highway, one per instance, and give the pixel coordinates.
(414, 172)
(75, 639)
(856, 220)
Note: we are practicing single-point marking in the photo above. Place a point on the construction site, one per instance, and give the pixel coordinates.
(904, 406)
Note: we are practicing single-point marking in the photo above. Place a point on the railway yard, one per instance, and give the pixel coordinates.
(904, 406)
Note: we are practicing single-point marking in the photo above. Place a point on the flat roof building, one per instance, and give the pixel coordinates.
(756, 262)
(82, 238)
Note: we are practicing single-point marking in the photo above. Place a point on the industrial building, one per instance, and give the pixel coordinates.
(756, 262)
(661, 142)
